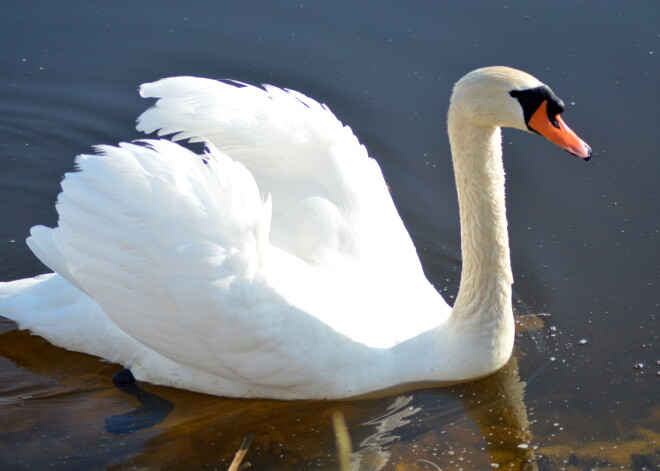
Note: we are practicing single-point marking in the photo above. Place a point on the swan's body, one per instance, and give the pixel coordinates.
(276, 265)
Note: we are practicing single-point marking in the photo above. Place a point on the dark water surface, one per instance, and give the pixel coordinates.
(582, 391)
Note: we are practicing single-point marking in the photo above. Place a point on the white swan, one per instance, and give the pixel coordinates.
(276, 264)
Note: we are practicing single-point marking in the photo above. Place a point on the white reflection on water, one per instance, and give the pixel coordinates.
(373, 454)
(495, 405)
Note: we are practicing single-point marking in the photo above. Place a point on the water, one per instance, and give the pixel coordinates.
(583, 235)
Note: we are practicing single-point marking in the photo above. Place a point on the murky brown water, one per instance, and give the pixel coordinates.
(583, 390)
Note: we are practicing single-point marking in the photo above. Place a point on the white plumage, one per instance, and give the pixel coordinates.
(274, 265)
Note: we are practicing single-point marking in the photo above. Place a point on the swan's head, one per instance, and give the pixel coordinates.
(506, 97)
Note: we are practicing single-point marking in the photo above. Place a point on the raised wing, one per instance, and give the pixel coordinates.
(331, 206)
(164, 241)
(253, 262)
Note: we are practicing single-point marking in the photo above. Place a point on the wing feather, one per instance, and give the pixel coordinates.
(250, 262)
(331, 206)
(169, 246)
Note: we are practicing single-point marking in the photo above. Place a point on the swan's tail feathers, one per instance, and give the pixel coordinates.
(16, 300)
(51, 307)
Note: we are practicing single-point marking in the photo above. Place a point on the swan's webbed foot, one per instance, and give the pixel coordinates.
(151, 411)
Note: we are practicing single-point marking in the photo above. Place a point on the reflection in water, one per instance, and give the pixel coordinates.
(373, 453)
(497, 407)
(495, 404)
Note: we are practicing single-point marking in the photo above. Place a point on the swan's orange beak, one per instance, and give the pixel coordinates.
(555, 130)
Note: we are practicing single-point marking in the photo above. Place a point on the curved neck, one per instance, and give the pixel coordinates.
(485, 289)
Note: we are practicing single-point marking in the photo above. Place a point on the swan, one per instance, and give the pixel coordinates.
(275, 264)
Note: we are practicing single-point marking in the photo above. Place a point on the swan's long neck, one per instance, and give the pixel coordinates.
(485, 290)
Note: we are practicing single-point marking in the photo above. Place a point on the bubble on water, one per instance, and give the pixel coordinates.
(639, 366)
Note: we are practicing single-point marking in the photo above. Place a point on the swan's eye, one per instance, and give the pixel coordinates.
(553, 121)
